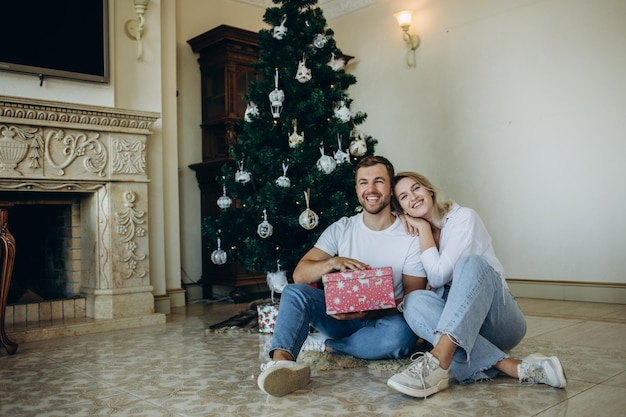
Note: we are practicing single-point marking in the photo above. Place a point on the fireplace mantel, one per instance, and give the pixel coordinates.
(98, 153)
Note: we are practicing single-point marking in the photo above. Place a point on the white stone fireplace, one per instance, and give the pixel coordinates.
(95, 156)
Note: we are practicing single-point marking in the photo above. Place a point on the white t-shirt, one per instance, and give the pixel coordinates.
(463, 233)
(351, 238)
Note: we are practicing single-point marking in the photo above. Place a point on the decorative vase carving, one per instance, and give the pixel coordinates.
(11, 151)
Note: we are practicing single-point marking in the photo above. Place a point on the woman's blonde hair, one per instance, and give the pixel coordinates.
(442, 207)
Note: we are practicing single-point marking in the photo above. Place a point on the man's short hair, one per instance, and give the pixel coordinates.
(372, 160)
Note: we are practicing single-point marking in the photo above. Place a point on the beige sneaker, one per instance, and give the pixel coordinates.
(280, 378)
(423, 377)
(539, 369)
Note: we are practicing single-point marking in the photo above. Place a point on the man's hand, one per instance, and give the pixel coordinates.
(339, 263)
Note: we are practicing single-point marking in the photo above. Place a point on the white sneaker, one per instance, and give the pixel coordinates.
(280, 378)
(421, 378)
(539, 369)
(315, 342)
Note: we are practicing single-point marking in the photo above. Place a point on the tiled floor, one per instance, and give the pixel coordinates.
(178, 369)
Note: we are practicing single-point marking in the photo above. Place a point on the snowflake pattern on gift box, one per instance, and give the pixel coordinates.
(354, 291)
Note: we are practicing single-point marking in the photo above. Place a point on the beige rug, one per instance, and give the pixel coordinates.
(246, 322)
(329, 362)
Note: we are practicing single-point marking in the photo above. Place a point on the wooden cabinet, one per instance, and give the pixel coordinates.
(226, 55)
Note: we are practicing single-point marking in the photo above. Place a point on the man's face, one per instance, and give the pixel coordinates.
(373, 188)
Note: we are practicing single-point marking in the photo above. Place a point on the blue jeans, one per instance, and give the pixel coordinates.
(302, 305)
(477, 311)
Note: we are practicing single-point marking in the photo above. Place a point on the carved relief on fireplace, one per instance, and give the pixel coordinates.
(98, 154)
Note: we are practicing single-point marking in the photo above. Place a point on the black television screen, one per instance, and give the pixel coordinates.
(60, 38)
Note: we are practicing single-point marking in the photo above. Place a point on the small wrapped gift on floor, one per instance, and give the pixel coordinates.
(354, 291)
(276, 282)
(267, 317)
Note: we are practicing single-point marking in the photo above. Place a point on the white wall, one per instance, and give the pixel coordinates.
(517, 109)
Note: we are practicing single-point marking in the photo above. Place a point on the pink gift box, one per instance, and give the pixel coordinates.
(353, 291)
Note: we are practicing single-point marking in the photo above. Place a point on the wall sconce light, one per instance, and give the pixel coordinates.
(134, 28)
(412, 41)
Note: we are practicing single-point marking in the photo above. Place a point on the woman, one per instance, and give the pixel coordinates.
(468, 314)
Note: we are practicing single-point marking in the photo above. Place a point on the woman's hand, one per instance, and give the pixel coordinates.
(412, 224)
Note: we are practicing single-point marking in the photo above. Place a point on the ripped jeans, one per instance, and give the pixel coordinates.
(477, 311)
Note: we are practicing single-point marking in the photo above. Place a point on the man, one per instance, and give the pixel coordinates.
(372, 238)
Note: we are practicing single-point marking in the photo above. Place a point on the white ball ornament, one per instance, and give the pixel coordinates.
(358, 144)
(242, 176)
(283, 180)
(358, 147)
(319, 41)
(342, 112)
(340, 155)
(224, 201)
(308, 218)
(265, 229)
(219, 256)
(326, 163)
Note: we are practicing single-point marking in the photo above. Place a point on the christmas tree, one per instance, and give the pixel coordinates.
(299, 143)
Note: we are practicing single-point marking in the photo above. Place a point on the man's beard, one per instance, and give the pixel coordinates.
(384, 204)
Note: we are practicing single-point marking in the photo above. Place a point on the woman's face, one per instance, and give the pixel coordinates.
(415, 200)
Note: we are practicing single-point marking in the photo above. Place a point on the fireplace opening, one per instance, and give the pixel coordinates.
(47, 236)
